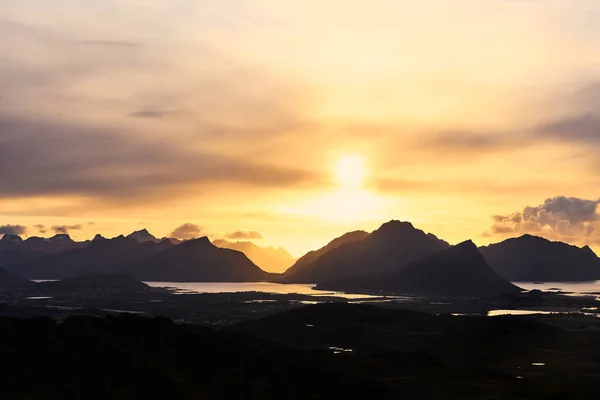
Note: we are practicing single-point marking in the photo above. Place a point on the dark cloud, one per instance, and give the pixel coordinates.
(244, 235)
(568, 219)
(581, 128)
(106, 163)
(152, 113)
(466, 140)
(64, 229)
(187, 231)
(109, 43)
(41, 228)
(13, 230)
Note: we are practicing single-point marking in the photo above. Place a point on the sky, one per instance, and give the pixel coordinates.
(290, 123)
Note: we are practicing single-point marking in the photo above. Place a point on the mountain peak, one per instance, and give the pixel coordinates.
(61, 237)
(98, 238)
(588, 250)
(396, 230)
(202, 241)
(11, 238)
(142, 236)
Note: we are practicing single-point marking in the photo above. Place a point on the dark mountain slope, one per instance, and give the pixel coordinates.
(389, 248)
(532, 258)
(198, 260)
(108, 255)
(311, 256)
(459, 271)
(10, 279)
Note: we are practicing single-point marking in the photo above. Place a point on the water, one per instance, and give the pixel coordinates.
(577, 288)
(498, 313)
(263, 287)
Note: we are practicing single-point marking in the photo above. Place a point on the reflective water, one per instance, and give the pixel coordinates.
(577, 288)
(264, 287)
(497, 313)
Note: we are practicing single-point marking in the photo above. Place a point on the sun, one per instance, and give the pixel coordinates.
(350, 170)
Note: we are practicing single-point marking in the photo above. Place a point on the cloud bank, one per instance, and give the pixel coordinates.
(568, 219)
(244, 235)
(187, 231)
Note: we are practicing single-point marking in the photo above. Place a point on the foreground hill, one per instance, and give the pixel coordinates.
(459, 271)
(531, 258)
(386, 250)
(198, 260)
(270, 259)
(10, 279)
(91, 281)
(330, 351)
(99, 255)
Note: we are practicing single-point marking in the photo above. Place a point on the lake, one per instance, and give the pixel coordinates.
(264, 287)
(577, 288)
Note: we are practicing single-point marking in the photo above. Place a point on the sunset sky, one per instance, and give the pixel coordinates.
(290, 123)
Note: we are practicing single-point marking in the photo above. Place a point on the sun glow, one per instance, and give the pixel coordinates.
(350, 171)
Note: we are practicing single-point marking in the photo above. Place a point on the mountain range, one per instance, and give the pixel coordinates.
(395, 258)
(458, 271)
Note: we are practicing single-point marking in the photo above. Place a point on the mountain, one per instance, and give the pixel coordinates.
(10, 279)
(531, 258)
(107, 255)
(143, 236)
(11, 239)
(312, 256)
(386, 250)
(459, 271)
(15, 251)
(270, 259)
(198, 260)
(98, 238)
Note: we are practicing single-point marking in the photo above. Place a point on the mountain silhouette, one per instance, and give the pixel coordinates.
(270, 259)
(201, 261)
(11, 238)
(295, 270)
(386, 250)
(143, 236)
(9, 279)
(459, 271)
(15, 251)
(108, 255)
(531, 258)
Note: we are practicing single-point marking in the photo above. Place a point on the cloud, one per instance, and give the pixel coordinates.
(109, 43)
(64, 229)
(152, 113)
(41, 228)
(62, 158)
(244, 235)
(581, 128)
(187, 231)
(13, 230)
(568, 219)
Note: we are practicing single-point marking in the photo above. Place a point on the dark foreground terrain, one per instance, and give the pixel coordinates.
(327, 351)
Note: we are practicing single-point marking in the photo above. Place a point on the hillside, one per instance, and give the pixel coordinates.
(386, 250)
(530, 258)
(198, 260)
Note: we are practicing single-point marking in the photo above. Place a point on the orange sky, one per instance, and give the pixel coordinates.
(234, 115)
